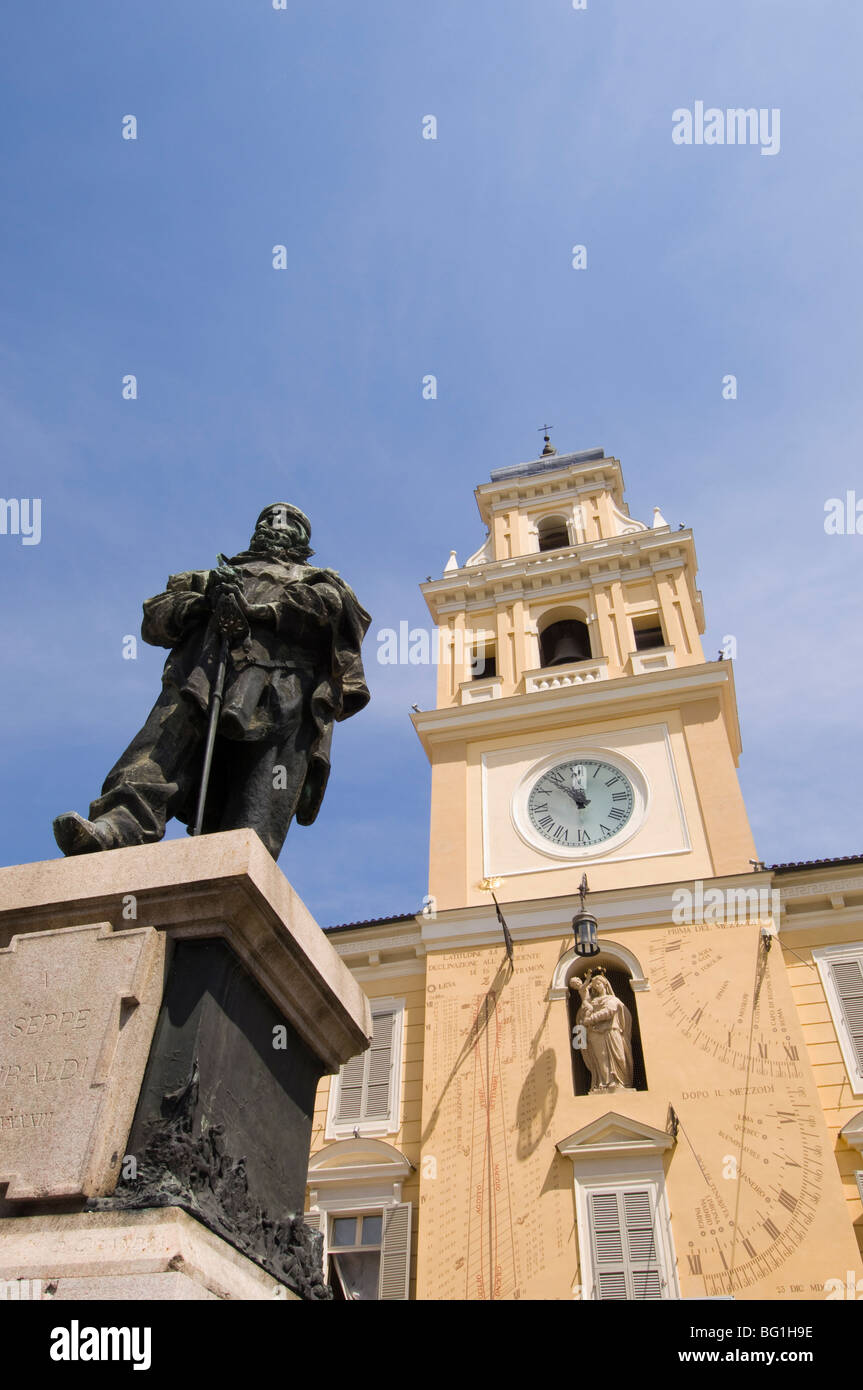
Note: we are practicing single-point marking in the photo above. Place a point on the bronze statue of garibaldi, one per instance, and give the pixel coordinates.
(283, 638)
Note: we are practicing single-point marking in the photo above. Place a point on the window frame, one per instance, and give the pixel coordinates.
(824, 957)
(620, 1182)
(391, 1124)
(325, 1212)
(655, 626)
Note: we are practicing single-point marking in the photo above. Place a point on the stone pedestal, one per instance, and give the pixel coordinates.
(166, 1013)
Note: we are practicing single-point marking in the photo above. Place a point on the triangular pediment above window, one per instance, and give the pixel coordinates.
(615, 1134)
(852, 1133)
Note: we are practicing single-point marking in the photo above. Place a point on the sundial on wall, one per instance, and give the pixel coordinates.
(749, 1118)
(691, 975)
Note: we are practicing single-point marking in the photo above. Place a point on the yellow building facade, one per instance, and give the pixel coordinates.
(680, 1114)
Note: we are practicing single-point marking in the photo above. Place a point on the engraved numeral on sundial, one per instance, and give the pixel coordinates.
(749, 1248)
(762, 1049)
(677, 983)
(786, 1117)
(791, 1052)
(674, 946)
(772, 1231)
(787, 1200)
(696, 1017)
(694, 1264)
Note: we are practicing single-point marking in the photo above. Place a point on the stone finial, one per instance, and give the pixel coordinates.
(451, 564)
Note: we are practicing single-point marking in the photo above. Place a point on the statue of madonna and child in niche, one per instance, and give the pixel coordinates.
(602, 1033)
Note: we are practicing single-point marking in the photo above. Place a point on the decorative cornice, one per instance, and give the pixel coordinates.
(621, 694)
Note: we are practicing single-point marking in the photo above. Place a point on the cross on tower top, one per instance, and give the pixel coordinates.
(549, 447)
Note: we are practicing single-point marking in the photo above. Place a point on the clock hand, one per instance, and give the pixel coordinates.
(578, 793)
(577, 796)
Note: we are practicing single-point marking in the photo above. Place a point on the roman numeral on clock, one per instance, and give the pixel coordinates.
(616, 814)
(619, 796)
(545, 822)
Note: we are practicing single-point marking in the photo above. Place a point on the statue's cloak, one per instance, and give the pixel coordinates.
(310, 651)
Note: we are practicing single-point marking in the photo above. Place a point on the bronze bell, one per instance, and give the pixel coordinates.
(565, 641)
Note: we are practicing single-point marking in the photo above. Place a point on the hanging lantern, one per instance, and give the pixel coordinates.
(585, 931)
(584, 925)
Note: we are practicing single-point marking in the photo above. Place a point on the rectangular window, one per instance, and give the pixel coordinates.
(367, 1253)
(483, 662)
(355, 1255)
(365, 1094)
(626, 1244)
(647, 631)
(841, 970)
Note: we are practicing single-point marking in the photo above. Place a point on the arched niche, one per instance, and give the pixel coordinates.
(552, 532)
(563, 635)
(626, 977)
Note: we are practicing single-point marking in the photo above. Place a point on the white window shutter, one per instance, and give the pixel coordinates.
(646, 1279)
(317, 1221)
(379, 1068)
(607, 1239)
(847, 976)
(396, 1252)
(364, 1081)
(625, 1260)
(350, 1083)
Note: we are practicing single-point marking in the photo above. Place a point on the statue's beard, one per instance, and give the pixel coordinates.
(282, 542)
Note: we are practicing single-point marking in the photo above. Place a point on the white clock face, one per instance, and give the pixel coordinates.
(580, 803)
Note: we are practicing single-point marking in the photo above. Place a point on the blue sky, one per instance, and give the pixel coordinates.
(407, 257)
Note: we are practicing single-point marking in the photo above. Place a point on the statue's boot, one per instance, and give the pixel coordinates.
(75, 835)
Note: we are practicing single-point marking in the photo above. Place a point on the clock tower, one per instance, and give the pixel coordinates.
(577, 722)
(675, 1115)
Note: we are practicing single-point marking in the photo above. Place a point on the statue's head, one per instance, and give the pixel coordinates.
(599, 985)
(283, 530)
